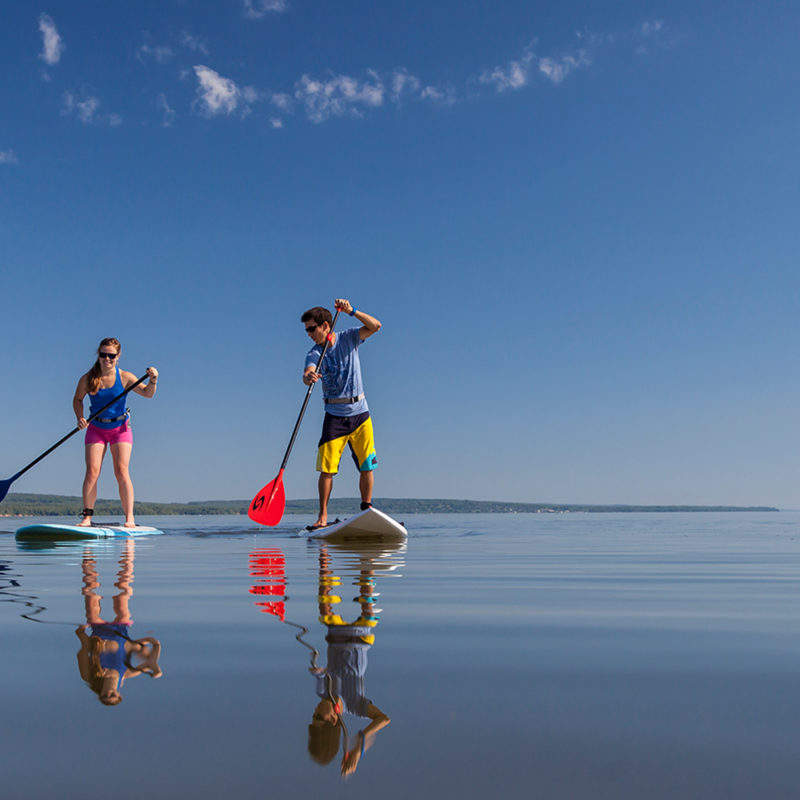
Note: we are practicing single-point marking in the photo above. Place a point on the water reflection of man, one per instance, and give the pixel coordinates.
(105, 660)
(341, 685)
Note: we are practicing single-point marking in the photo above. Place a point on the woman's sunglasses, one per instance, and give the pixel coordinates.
(111, 356)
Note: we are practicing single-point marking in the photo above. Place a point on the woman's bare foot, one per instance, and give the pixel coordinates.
(129, 523)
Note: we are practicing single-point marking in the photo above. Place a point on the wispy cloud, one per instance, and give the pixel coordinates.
(168, 112)
(53, 45)
(85, 108)
(256, 9)
(217, 95)
(513, 75)
(160, 53)
(8, 157)
(650, 32)
(404, 84)
(650, 27)
(441, 96)
(558, 69)
(340, 95)
(281, 100)
(194, 43)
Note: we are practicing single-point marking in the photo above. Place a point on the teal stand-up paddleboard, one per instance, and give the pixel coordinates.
(98, 530)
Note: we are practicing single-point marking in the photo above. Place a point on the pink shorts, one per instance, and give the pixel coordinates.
(123, 433)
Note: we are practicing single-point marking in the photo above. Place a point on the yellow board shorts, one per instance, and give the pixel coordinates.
(340, 431)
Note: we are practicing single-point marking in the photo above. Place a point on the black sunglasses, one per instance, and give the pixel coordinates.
(311, 328)
(112, 356)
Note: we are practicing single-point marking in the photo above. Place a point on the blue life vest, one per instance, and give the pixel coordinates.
(111, 632)
(98, 400)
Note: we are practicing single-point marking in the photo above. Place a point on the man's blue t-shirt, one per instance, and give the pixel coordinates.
(341, 373)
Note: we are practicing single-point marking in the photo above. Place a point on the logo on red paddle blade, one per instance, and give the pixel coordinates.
(267, 506)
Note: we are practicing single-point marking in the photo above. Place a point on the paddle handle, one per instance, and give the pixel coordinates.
(308, 393)
(76, 429)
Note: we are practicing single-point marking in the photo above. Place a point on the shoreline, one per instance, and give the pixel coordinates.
(33, 505)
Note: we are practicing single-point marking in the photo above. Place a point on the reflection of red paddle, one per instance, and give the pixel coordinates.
(267, 506)
(268, 566)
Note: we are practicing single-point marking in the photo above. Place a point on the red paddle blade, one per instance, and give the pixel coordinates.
(267, 506)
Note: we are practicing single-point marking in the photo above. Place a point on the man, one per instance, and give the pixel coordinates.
(347, 419)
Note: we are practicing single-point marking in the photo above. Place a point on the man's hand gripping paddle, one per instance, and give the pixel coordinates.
(6, 484)
(267, 506)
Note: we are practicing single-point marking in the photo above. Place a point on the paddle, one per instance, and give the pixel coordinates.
(4, 485)
(267, 506)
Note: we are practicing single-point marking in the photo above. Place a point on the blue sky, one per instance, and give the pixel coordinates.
(576, 221)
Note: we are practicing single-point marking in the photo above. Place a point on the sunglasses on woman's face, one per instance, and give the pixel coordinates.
(112, 356)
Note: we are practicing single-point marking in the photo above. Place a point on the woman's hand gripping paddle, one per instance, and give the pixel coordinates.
(267, 506)
(5, 485)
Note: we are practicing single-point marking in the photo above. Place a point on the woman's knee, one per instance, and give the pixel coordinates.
(121, 472)
(92, 474)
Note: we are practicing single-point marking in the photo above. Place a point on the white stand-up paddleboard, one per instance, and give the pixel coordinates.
(369, 524)
(98, 530)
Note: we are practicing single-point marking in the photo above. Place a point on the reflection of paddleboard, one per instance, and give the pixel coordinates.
(369, 524)
(95, 531)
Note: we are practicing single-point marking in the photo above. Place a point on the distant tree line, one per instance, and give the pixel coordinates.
(45, 505)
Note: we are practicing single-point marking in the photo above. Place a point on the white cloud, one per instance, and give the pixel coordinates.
(194, 43)
(86, 110)
(160, 54)
(8, 157)
(403, 82)
(53, 44)
(215, 94)
(557, 70)
(276, 122)
(255, 9)
(168, 111)
(282, 101)
(651, 26)
(445, 97)
(338, 96)
(512, 76)
(251, 95)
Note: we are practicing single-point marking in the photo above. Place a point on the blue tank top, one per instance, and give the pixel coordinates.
(113, 632)
(97, 401)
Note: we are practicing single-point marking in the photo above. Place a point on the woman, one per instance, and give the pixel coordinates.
(106, 657)
(103, 382)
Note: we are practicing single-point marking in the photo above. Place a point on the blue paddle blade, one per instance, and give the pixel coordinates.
(4, 487)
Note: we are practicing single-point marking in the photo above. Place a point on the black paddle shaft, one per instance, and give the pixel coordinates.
(76, 429)
(308, 393)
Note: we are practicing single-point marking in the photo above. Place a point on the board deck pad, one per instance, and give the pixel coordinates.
(98, 530)
(368, 524)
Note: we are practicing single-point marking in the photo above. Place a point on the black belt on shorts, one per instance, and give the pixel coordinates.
(343, 400)
(115, 419)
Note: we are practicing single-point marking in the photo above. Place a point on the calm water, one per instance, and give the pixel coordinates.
(557, 656)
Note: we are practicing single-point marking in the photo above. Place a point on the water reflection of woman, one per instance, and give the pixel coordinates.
(105, 659)
(341, 685)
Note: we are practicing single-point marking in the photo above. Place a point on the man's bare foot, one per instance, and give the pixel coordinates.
(86, 522)
(320, 523)
(129, 523)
